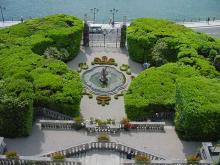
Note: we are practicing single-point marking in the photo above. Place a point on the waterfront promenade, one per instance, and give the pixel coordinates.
(212, 28)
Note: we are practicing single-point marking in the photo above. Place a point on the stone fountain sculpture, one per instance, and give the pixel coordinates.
(103, 79)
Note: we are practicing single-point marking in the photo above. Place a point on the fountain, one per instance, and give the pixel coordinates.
(104, 80)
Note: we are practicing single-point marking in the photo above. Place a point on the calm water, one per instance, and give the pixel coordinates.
(171, 9)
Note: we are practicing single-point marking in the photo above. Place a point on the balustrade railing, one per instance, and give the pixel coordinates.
(108, 128)
(149, 126)
(47, 113)
(169, 162)
(118, 147)
(24, 160)
(57, 124)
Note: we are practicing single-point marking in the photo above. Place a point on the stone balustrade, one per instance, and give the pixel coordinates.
(47, 113)
(169, 162)
(57, 124)
(108, 128)
(204, 151)
(118, 147)
(148, 126)
(24, 160)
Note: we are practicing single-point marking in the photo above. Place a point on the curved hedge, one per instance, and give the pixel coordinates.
(154, 90)
(195, 66)
(30, 76)
(198, 108)
(160, 41)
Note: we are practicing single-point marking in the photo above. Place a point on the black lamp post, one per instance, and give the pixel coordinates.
(94, 11)
(2, 8)
(113, 11)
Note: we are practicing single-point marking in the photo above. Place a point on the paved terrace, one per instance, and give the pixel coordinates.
(44, 141)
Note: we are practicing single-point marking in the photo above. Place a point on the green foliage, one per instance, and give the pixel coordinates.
(198, 108)
(154, 90)
(217, 62)
(58, 157)
(142, 159)
(160, 41)
(193, 158)
(103, 137)
(16, 110)
(196, 70)
(11, 155)
(28, 79)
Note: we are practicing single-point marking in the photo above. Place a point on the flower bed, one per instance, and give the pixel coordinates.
(103, 100)
(104, 61)
(142, 159)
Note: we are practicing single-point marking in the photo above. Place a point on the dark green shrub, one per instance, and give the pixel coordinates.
(198, 109)
(123, 36)
(16, 108)
(217, 62)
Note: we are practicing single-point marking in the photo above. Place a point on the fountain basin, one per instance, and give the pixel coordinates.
(116, 80)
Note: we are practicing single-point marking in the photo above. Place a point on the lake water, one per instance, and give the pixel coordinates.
(171, 9)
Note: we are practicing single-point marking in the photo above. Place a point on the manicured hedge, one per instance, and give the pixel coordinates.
(16, 107)
(198, 108)
(161, 41)
(195, 66)
(30, 78)
(154, 90)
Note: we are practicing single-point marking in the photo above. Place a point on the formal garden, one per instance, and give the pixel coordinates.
(44, 72)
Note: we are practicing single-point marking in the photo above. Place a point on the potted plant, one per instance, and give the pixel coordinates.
(103, 137)
(193, 159)
(125, 123)
(11, 155)
(58, 157)
(78, 123)
(142, 159)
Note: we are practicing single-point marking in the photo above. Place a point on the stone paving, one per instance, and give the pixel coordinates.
(89, 107)
(44, 141)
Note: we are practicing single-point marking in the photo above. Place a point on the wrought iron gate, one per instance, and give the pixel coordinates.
(106, 38)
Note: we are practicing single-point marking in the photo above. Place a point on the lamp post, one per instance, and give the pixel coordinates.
(94, 11)
(113, 11)
(2, 8)
(104, 33)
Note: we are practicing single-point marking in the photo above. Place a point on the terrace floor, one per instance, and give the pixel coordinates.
(43, 141)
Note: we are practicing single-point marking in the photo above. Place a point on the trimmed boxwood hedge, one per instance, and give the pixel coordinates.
(28, 78)
(198, 108)
(154, 90)
(161, 41)
(194, 72)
